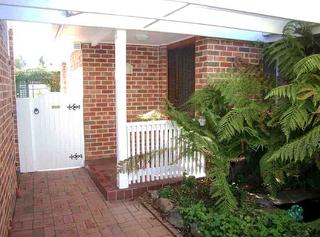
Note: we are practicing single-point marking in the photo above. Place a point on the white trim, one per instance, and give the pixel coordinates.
(68, 168)
(298, 10)
(12, 12)
(211, 18)
(248, 26)
(121, 102)
(142, 123)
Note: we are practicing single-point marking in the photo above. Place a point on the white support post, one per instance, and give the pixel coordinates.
(121, 104)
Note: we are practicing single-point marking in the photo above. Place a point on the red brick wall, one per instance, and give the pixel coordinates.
(216, 55)
(8, 179)
(146, 86)
(146, 89)
(163, 76)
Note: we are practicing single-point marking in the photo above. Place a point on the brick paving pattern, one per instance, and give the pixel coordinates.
(67, 203)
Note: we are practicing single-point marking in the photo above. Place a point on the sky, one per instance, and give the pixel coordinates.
(33, 40)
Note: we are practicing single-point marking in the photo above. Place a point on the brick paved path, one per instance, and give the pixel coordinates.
(67, 203)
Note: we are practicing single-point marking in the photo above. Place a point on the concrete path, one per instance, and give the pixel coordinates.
(67, 203)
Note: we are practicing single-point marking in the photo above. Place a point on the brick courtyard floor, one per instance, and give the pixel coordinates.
(67, 203)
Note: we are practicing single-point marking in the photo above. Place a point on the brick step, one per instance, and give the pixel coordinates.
(103, 173)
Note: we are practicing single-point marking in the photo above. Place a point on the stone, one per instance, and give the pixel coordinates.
(194, 230)
(175, 218)
(293, 196)
(264, 203)
(154, 194)
(260, 200)
(164, 204)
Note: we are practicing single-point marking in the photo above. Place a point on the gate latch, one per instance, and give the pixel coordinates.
(73, 107)
(75, 156)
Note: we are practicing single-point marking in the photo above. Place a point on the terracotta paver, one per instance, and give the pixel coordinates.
(67, 203)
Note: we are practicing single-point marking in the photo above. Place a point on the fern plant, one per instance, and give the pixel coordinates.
(244, 114)
(297, 113)
(235, 110)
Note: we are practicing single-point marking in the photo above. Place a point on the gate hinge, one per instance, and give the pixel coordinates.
(73, 107)
(75, 156)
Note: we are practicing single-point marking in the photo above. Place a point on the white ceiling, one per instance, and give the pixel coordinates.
(237, 19)
(96, 35)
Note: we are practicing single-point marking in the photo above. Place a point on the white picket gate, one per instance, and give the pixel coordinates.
(50, 129)
(155, 152)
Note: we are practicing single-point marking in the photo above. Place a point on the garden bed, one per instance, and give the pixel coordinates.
(188, 210)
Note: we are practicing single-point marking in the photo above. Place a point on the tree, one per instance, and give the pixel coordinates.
(19, 62)
(51, 78)
(42, 63)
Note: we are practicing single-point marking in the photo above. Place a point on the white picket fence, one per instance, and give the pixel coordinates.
(155, 152)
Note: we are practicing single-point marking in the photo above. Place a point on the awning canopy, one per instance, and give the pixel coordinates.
(236, 19)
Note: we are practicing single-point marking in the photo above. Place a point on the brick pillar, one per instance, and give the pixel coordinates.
(215, 55)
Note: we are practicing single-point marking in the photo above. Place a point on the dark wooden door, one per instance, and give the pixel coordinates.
(181, 74)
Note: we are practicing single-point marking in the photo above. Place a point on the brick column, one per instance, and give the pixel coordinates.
(215, 55)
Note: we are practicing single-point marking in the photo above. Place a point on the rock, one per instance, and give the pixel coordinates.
(264, 203)
(175, 218)
(260, 200)
(293, 196)
(194, 230)
(154, 194)
(164, 204)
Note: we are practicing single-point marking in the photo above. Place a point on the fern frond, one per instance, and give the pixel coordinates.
(286, 53)
(307, 65)
(239, 89)
(222, 193)
(220, 188)
(267, 169)
(286, 91)
(300, 149)
(294, 28)
(235, 121)
(295, 117)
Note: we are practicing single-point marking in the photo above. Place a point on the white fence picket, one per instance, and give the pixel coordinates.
(155, 152)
